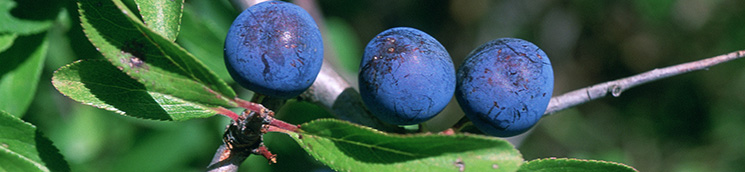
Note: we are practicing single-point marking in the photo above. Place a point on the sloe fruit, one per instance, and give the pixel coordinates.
(274, 48)
(504, 86)
(406, 76)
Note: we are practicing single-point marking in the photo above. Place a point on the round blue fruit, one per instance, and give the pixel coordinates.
(406, 77)
(504, 86)
(275, 49)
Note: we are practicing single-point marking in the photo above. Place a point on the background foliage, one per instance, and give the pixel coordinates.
(692, 122)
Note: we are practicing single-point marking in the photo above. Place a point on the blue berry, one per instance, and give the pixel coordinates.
(406, 76)
(504, 86)
(274, 48)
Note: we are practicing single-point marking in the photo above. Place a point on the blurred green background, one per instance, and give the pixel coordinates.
(692, 122)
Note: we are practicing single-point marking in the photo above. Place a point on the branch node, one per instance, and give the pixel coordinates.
(616, 90)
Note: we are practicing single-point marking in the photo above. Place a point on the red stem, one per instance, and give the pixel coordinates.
(226, 112)
(284, 125)
(250, 105)
(268, 155)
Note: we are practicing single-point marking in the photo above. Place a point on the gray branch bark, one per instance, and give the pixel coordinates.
(616, 87)
(229, 164)
(333, 92)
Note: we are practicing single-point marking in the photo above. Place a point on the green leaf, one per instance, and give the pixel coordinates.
(20, 71)
(205, 24)
(6, 40)
(162, 16)
(344, 146)
(160, 64)
(100, 84)
(578, 165)
(23, 148)
(16, 25)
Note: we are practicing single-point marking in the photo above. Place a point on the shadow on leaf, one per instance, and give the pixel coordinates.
(134, 47)
(49, 154)
(370, 146)
(160, 64)
(117, 89)
(20, 52)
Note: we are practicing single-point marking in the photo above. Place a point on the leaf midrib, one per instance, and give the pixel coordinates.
(139, 28)
(371, 146)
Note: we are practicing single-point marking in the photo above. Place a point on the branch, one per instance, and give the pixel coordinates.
(224, 162)
(330, 90)
(615, 87)
(333, 92)
(245, 136)
(241, 5)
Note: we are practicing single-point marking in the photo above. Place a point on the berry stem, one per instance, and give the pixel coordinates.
(278, 129)
(284, 125)
(615, 87)
(226, 112)
(251, 106)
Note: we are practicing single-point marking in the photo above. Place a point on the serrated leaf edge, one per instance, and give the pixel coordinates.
(396, 135)
(36, 164)
(178, 27)
(143, 29)
(113, 109)
(412, 135)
